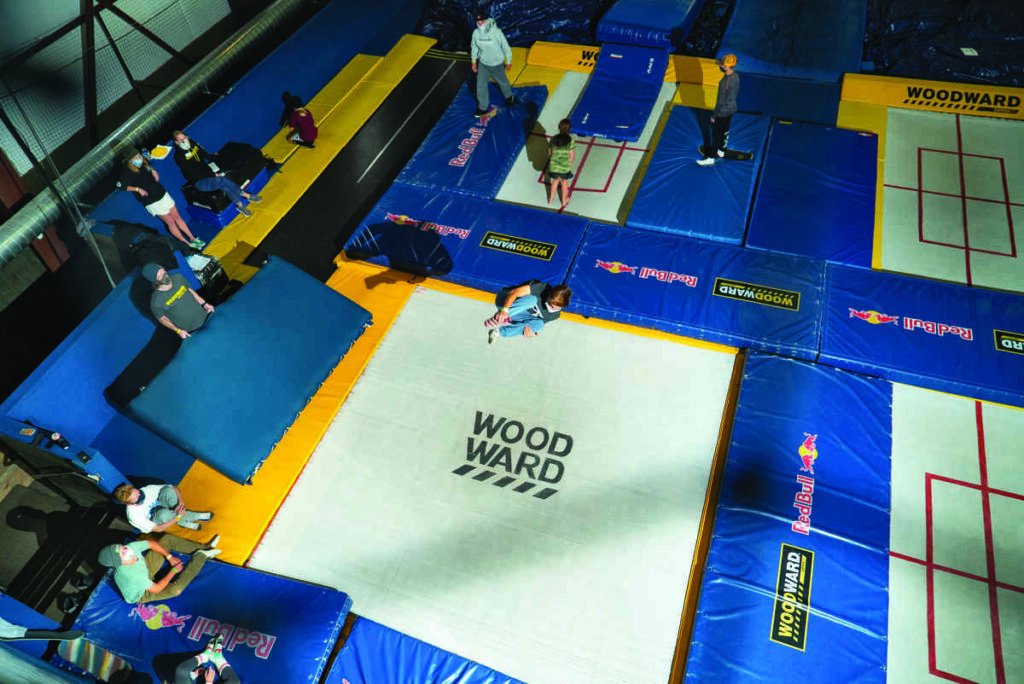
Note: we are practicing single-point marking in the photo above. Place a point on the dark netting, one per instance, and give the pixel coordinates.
(932, 39)
(522, 21)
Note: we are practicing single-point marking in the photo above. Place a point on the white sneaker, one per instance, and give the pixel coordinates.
(210, 553)
(707, 161)
(492, 335)
(199, 515)
(213, 542)
(720, 153)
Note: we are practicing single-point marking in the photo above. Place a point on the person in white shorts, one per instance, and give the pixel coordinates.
(142, 180)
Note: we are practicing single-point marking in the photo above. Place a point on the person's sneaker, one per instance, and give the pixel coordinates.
(479, 112)
(707, 161)
(255, 198)
(210, 553)
(70, 603)
(721, 153)
(216, 643)
(509, 101)
(82, 581)
(244, 211)
(196, 243)
(198, 515)
(189, 524)
(492, 322)
(213, 542)
(492, 335)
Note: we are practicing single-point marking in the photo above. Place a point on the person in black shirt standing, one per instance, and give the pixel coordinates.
(142, 180)
(194, 163)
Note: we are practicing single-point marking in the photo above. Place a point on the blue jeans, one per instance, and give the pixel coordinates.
(229, 188)
(520, 317)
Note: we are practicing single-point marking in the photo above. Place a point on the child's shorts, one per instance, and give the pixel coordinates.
(563, 176)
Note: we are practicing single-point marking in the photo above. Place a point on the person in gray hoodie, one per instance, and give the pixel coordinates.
(492, 58)
(725, 107)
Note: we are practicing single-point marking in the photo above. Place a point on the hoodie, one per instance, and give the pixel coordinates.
(489, 45)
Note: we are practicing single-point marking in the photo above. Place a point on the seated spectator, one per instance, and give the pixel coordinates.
(142, 180)
(207, 666)
(301, 122)
(194, 163)
(137, 564)
(174, 303)
(154, 508)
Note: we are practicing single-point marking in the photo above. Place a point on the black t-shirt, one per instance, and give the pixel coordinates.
(193, 163)
(141, 179)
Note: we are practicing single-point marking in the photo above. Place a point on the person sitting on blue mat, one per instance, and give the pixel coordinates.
(725, 107)
(142, 180)
(194, 163)
(137, 564)
(156, 507)
(205, 666)
(525, 309)
(492, 58)
(174, 304)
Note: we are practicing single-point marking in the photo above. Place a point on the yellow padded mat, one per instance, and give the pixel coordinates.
(243, 512)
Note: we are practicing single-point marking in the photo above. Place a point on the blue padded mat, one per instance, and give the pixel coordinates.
(275, 629)
(238, 383)
(816, 196)
(796, 38)
(679, 196)
(465, 156)
(621, 93)
(926, 333)
(472, 242)
(65, 392)
(790, 99)
(802, 520)
(656, 23)
(374, 653)
(700, 289)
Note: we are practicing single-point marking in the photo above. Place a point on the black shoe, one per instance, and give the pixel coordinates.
(479, 112)
(82, 581)
(70, 603)
(509, 101)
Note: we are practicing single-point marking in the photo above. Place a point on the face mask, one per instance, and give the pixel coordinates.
(185, 144)
(550, 308)
(166, 280)
(137, 163)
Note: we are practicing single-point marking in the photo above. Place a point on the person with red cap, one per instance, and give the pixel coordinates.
(725, 107)
(492, 58)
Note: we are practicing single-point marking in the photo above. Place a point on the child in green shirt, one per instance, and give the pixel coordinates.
(561, 154)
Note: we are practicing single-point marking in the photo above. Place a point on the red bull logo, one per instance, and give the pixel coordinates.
(803, 501)
(873, 317)
(910, 323)
(615, 267)
(234, 636)
(159, 617)
(401, 219)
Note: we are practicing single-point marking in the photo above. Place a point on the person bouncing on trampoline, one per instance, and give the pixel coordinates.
(725, 107)
(492, 58)
(174, 304)
(561, 155)
(137, 564)
(526, 309)
(154, 508)
(206, 666)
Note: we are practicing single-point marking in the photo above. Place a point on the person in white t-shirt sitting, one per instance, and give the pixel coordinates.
(154, 508)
